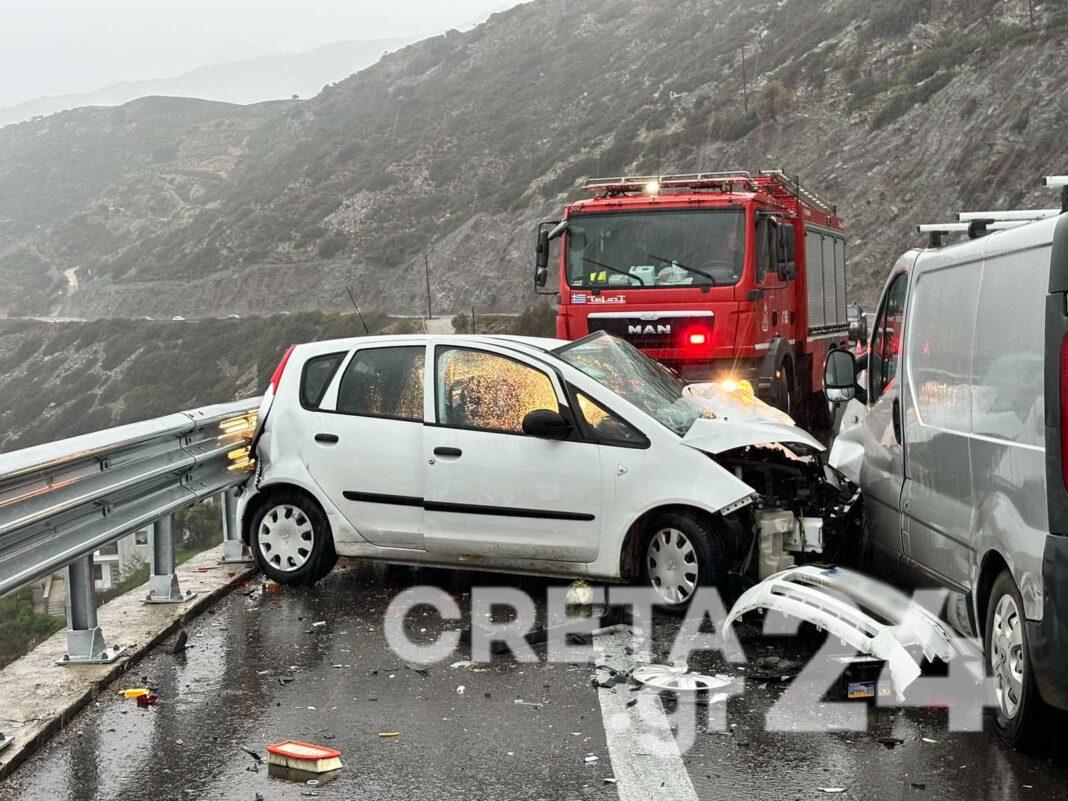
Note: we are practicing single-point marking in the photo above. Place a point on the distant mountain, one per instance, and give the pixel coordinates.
(899, 112)
(271, 77)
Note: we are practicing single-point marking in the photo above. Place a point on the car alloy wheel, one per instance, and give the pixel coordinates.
(286, 537)
(672, 565)
(1007, 656)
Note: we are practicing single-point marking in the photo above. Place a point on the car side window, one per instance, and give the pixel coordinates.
(316, 377)
(886, 340)
(607, 428)
(481, 390)
(384, 382)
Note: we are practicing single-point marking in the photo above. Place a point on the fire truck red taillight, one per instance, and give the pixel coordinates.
(1064, 410)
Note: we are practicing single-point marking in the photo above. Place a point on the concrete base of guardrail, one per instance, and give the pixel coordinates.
(38, 698)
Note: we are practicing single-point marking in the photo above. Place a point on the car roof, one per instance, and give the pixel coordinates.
(531, 345)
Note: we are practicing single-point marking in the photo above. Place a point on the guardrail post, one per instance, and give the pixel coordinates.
(234, 549)
(163, 585)
(85, 640)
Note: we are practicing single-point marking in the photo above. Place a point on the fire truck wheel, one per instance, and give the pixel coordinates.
(782, 395)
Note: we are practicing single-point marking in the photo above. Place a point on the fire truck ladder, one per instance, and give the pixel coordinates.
(794, 188)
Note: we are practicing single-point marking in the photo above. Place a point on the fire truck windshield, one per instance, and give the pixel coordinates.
(643, 249)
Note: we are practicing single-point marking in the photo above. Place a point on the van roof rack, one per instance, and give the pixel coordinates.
(1021, 215)
(937, 232)
(1062, 182)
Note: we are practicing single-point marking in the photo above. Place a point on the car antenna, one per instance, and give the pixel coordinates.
(363, 322)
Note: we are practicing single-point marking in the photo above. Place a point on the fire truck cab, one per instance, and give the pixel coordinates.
(718, 275)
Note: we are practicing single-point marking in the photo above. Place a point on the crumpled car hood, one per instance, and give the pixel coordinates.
(720, 435)
(740, 419)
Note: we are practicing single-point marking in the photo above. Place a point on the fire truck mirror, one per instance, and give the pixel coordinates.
(787, 261)
(840, 376)
(542, 261)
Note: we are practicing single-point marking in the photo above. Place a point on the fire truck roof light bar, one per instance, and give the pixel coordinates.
(638, 183)
(1021, 215)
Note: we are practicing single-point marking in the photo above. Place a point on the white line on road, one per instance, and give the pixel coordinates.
(645, 757)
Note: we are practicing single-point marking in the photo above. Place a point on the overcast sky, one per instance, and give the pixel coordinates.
(52, 47)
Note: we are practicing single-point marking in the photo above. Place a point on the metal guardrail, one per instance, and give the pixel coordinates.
(61, 501)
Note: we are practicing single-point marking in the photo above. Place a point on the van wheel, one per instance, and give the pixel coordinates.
(681, 555)
(291, 539)
(1020, 711)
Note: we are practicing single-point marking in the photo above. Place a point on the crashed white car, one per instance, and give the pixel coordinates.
(529, 455)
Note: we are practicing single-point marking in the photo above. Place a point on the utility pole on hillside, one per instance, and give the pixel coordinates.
(426, 267)
(745, 84)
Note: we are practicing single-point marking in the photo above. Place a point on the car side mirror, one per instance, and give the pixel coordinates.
(547, 424)
(787, 256)
(840, 376)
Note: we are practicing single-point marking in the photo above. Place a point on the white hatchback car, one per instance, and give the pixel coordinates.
(516, 454)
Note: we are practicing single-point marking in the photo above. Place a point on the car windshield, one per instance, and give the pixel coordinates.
(647, 249)
(635, 377)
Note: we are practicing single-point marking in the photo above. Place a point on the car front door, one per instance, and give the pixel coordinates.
(365, 447)
(882, 471)
(493, 492)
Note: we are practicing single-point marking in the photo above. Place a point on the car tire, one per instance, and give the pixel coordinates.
(682, 552)
(1020, 713)
(291, 540)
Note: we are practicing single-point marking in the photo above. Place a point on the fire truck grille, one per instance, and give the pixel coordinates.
(646, 334)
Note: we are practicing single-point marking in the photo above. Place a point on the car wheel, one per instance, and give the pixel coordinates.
(291, 539)
(682, 554)
(1020, 710)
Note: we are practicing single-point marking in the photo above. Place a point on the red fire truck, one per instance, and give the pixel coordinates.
(719, 275)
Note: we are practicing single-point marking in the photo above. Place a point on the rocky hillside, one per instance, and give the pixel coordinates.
(900, 112)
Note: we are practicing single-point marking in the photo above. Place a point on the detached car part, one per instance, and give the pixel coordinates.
(829, 598)
(677, 678)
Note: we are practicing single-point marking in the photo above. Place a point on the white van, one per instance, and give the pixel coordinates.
(956, 435)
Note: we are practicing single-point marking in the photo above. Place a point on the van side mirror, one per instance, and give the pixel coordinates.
(787, 252)
(547, 424)
(840, 377)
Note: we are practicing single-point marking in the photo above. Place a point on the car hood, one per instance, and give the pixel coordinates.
(720, 435)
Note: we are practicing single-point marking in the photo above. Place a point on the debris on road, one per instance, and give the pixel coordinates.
(521, 702)
(135, 692)
(5, 740)
(252, 754)
(180, 642)
(303, 756)
(834, 599)
(388, 735)
(677, 678)
(145, 701)
(831, 789)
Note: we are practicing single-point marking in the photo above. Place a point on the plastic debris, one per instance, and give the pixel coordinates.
(521, 702)
(831, 789)
(463, 663)
(460, 690)
(5, 740)
(145, 701)
(591, 758)
(252, 754)
(677, 678)
(303, 756)
(135, 692)
(385, 735)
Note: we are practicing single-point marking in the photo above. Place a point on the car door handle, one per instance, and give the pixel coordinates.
(897, 419)
(442, 451)
(326, 439)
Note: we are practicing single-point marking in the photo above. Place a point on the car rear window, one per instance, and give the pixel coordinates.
(316, 377)
(384, 382)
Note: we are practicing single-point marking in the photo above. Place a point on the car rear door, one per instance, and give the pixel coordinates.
(492, 492)
(364, 448)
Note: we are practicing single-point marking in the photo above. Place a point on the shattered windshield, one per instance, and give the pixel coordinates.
(632, 375)
(646, 249)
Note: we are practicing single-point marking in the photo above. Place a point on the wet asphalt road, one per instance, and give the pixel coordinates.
(258, 671)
